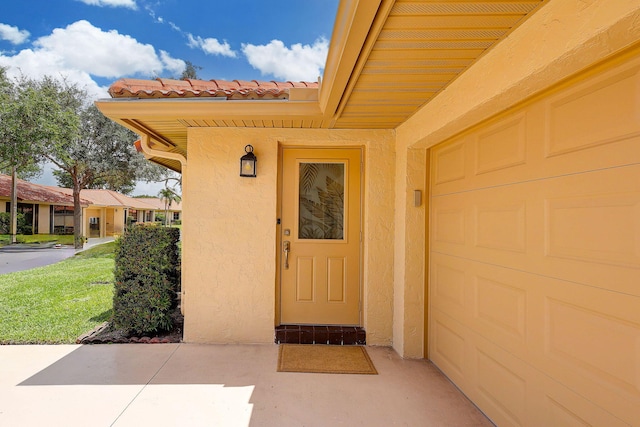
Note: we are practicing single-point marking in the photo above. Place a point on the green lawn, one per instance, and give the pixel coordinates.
(57, 303)
(38, 238)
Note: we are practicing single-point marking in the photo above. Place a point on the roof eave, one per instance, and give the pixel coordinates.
(194, 108)
(351, 30)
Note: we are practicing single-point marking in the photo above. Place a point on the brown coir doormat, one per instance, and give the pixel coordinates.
(325, 359)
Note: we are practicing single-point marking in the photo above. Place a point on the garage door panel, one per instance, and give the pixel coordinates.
(621, 152)
(448, 347)
(592, 344)
(563, 408)
(449, 216)
(595, 217)
(450, 164)
(568, 227)
(501, 306)
(451, 286)
(592, 125)
(500, 225)
(596, 112)
(567, 329)
(503, 386)
(491, 300)
(592, 229)
(501, 146)
(535, 257)
(512, 391)
(580, 339)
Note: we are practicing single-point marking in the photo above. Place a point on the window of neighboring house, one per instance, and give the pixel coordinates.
(133, 216)
(148, 216)
(62, 218)
(176, 216)
(30, 212)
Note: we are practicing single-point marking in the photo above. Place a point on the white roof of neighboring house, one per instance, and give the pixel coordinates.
(113, 198)
(158, 204)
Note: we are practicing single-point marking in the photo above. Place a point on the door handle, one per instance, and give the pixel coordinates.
(286, 247)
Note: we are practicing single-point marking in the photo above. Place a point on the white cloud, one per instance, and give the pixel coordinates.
(211, 46)
(131, 4)
(13, 34)
(173, 65)
(296, 63)
(81, 51)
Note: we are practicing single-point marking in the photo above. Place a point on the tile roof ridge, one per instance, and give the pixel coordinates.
(194, 88)
(119, 198)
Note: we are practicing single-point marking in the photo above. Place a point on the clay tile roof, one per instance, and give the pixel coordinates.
(36, 193)
(266, 85)
(236, 89)
(96, 197)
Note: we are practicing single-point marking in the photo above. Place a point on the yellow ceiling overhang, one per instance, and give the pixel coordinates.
(387, 59)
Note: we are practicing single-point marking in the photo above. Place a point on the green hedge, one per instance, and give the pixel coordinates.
(147, 276)
(5, 223)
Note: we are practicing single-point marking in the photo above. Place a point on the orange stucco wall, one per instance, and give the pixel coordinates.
(229, 233)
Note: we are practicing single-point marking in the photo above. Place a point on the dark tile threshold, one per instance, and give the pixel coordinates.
(316, 334)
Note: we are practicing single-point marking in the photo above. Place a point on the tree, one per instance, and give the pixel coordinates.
(190, 71)
(28, 121)
(168, 196)
(54, 120)
(99, 155)
(109, 158)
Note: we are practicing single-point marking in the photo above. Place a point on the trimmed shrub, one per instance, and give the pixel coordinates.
(5, 223)
(147, 276)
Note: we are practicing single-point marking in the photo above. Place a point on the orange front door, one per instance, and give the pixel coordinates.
(320, 236)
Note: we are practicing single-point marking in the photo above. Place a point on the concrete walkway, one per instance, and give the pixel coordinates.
(21, 257)
(217, 385)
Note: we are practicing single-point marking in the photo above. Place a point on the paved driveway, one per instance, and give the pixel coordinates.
(24, 257)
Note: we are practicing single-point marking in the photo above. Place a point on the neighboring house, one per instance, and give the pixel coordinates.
(108, 211)
(47, 210)
(463, 184)
(173, 209)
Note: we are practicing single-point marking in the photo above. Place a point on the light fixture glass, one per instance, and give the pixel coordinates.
(248, 163)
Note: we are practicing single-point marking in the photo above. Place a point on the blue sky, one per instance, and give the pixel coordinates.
(96, 42)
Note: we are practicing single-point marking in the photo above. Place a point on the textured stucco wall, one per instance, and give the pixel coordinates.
(44, 218)
(409, 277)
(229, 239)
(561, 39)
(118, 220)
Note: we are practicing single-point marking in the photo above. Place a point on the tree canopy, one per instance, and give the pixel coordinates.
(53, 120)
(30, 122)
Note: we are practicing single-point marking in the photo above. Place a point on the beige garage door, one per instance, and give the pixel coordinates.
(535, 257)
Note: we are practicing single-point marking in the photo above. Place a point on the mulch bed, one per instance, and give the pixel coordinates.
(108, 334)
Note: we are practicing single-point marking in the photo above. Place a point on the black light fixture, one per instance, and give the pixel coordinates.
(248, 163)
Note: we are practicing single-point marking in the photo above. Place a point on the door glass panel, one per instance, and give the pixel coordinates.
(321, 204)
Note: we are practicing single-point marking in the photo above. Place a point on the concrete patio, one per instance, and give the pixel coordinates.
(217, 385)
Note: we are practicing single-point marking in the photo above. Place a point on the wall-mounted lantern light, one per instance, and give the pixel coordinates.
(248, 163)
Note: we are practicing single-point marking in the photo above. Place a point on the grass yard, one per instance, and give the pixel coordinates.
(38, 238)
(57, 303)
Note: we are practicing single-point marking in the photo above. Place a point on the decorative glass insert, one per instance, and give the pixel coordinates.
(321, 213)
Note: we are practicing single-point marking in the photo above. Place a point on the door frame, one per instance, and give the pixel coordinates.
(279, 239)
